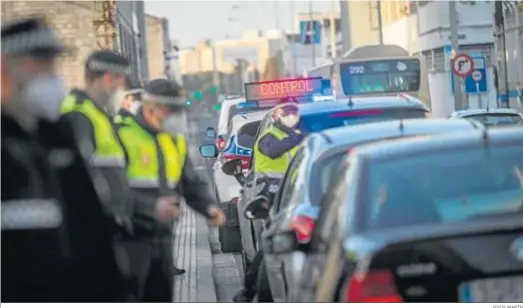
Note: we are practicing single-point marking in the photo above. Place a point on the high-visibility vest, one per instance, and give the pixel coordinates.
(142, 157)
(108, 151)
(274, 168)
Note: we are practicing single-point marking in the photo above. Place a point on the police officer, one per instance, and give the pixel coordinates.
(274, 151)
(49, 203)
(89, 113)
(158, 164)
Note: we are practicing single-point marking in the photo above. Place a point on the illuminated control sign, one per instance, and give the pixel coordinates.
(267, 90)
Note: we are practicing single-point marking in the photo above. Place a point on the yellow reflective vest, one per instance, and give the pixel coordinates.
(108, 151)
(141, 147)
(277, 167)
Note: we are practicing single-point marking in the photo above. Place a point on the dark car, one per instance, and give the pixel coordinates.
(309, 177)
(422, 219)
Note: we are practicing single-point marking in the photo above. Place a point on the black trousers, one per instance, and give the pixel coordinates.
(151, 263)
(251, 274)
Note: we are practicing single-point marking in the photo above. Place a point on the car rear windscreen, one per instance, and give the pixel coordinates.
(321, 121)
(443, 187)
(247, 133)
(497, 119)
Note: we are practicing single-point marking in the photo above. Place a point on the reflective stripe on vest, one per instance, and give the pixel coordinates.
(266, 165)
(108, 152)
(143, 165)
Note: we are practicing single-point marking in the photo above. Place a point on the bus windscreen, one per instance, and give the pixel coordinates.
(380, 76)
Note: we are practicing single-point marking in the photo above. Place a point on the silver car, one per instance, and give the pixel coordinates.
(308, 178)
(491, 117)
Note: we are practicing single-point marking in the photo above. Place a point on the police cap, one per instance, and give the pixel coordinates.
(163, 91)
(107, 61)
(32, 37)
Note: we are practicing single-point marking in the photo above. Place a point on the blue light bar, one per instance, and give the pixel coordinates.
(247, 105)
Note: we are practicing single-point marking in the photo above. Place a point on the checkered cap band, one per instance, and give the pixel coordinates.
(162, 99)
(100, 66)
(29, 41)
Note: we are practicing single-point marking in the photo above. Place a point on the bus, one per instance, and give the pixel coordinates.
(376, 70)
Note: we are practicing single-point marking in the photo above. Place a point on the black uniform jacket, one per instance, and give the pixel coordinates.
(193, 187)
(68, 257)
(111, 182)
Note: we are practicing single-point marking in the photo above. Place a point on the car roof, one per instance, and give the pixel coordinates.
(452, 141)
(359, 103)
(361, 133)
(241, 119)
(472, 112)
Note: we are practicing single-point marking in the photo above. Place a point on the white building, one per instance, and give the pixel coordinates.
(423, 27)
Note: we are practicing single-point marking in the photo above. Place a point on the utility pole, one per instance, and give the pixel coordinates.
(345, 27)
(453, 18)
(293, 45)
(333, 31)
(499, 19)
(380, 25)
(313, 30)
(215, 75)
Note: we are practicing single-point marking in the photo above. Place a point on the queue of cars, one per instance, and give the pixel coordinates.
(380, 209)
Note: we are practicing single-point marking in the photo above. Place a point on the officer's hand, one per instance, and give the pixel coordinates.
(167, 209)
(217, 216)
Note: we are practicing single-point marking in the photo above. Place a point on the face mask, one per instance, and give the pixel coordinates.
(290, 121)
(42, 96)
(114, 101)
(175, 123)
(135, 107)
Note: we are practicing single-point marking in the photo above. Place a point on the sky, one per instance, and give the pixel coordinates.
(191, 21)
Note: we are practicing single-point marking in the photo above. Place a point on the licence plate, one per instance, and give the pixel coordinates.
(493, 290)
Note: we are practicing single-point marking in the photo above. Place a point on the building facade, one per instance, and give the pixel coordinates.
(423, 28)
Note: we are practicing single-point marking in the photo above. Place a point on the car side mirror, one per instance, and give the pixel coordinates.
(258, 208)
(210, 132)
(209, 151)
(281, 243)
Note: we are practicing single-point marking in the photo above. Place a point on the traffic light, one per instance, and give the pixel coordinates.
(198, 95)
(188, 103)
(217, 107)
(214, 90)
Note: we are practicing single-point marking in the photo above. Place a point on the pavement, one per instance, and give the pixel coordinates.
(209, 277)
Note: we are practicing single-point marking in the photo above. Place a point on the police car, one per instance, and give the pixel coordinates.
(317, 113)
(430, 219)
(491, 117)
(316, 163)
(238, 144)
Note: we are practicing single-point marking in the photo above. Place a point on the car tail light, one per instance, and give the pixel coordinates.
(220, 143)
(375, 286)
(303, 227)
(246, 160)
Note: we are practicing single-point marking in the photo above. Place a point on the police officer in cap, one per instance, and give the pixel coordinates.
(49, 203)
(90, 112)
(158, 165)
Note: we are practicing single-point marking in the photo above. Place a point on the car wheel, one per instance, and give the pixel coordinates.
(263, 288)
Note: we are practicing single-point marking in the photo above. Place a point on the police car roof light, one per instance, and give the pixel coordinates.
(285, 88)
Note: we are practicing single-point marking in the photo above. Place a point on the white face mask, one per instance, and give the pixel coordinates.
(175, 123)
(135, 107)
(114, 101)
(290, 121)
(42, 97)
